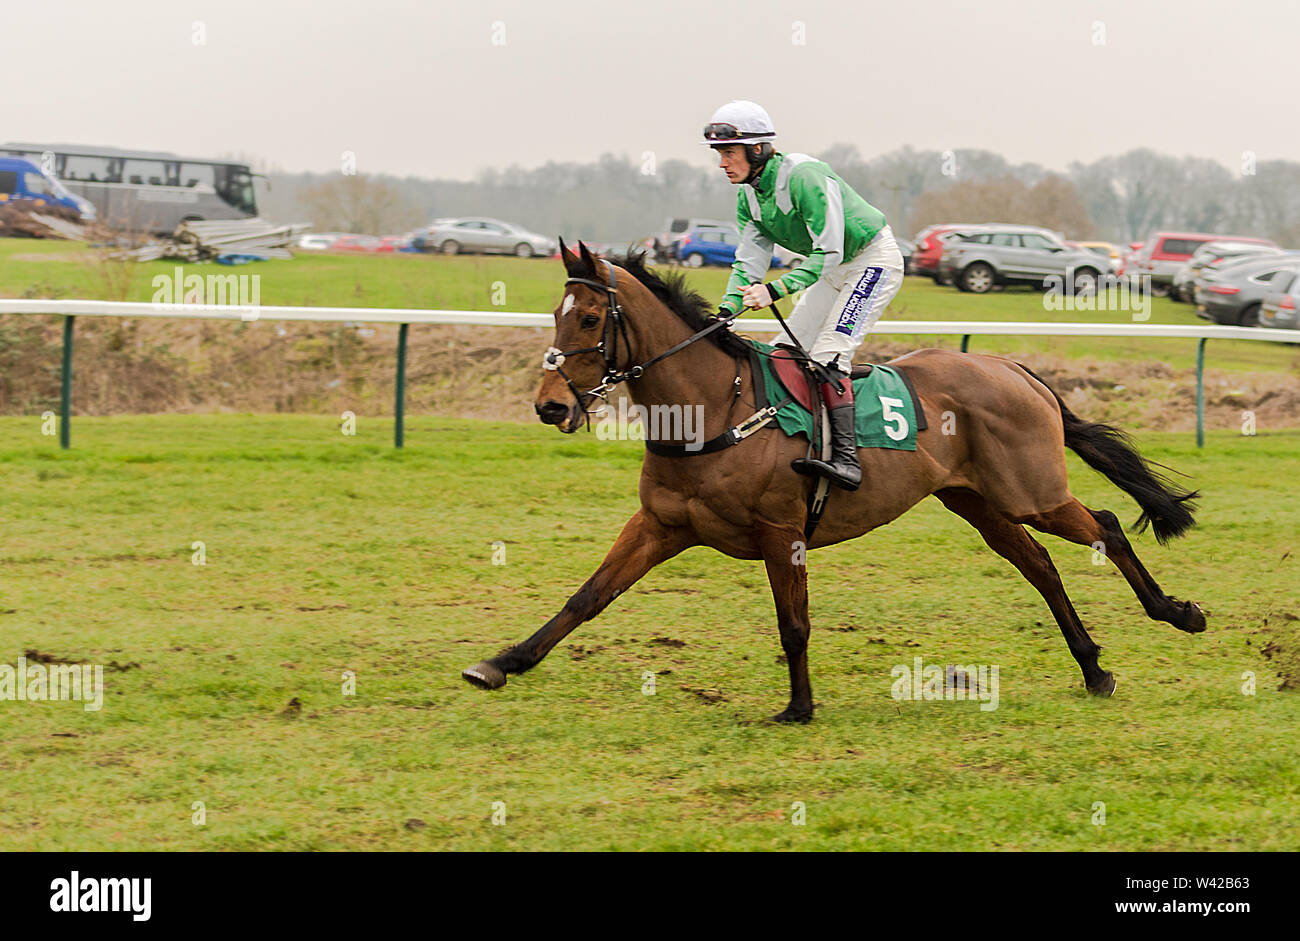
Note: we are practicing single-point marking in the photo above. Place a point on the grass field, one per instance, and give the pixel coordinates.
(61, 269)
(327, 554)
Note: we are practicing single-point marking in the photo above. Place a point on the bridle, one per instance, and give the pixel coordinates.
(615, 326)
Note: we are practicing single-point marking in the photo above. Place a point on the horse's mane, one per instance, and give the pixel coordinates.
(684, 301)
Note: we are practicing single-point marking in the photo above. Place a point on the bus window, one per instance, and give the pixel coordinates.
(198, 174)
(145, 171)
(8, 181)
(86, 169)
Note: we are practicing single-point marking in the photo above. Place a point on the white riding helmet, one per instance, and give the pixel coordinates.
(739, 122)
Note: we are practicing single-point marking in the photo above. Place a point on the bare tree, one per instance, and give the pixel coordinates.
(1053, 203)
(1132, 194)
(1270, 202)
(358, 204)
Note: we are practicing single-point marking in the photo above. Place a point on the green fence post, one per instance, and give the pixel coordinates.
(399, 409)
(65, 392)
(1200, 393)
(965, 342)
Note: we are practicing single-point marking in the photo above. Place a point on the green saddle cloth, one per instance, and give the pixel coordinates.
(884, 413)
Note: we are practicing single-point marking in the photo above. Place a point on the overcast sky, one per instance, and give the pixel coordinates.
(445, 89)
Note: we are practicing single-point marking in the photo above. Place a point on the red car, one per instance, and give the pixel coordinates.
(1164, 253)
(929, 248)
(357, 243)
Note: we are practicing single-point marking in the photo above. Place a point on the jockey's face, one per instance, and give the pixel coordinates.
(734, 163)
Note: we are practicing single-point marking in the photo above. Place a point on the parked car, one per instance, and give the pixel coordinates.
(1105, 250)
(23, 184)
(1111, 265)
(395, 243)
(929, 243)
(955, 235)
(1213, 255)
(1164, 253)
(356, 243)
(1004, 254)
(1278, 309)
(483, 236)
(710, 246)
(318, 241)
(1233, 296)
(675, 230)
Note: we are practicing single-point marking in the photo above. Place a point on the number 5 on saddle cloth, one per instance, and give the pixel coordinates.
(887, 412)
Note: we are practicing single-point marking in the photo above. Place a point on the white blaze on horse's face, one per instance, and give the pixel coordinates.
(569, 301)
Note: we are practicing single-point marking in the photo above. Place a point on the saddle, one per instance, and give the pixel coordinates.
(800, 381)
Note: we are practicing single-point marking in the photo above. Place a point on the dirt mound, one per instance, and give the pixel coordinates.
(16, 219)
(1153, 395)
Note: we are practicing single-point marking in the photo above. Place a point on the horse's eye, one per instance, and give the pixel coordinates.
(589, 321)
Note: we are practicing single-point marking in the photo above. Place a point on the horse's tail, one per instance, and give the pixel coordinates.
(1111, 452)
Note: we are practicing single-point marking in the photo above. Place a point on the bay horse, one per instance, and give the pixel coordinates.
(997, 460)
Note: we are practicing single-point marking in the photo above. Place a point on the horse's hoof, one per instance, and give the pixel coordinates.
(485, 676)
(1195, 619)
(791, 715)
(1106, 689)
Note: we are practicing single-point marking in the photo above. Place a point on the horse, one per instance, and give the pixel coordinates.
(997, 461)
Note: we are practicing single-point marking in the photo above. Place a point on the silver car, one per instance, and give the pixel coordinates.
(1278, 308)
(1234, 296)
(483, 236)
(1007, 254)
(1209, 256)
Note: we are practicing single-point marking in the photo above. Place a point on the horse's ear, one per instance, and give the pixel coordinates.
(589, 261)
(572, 264)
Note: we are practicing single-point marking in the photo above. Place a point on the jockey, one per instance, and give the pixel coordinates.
(852, 271)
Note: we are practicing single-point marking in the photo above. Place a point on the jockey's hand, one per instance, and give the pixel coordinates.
(756, 296)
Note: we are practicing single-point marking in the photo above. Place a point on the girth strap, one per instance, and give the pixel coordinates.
(730, 437)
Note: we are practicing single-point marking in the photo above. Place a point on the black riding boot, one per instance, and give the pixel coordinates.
(843, 468)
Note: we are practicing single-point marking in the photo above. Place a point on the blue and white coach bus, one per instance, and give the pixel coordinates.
(146, 191)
